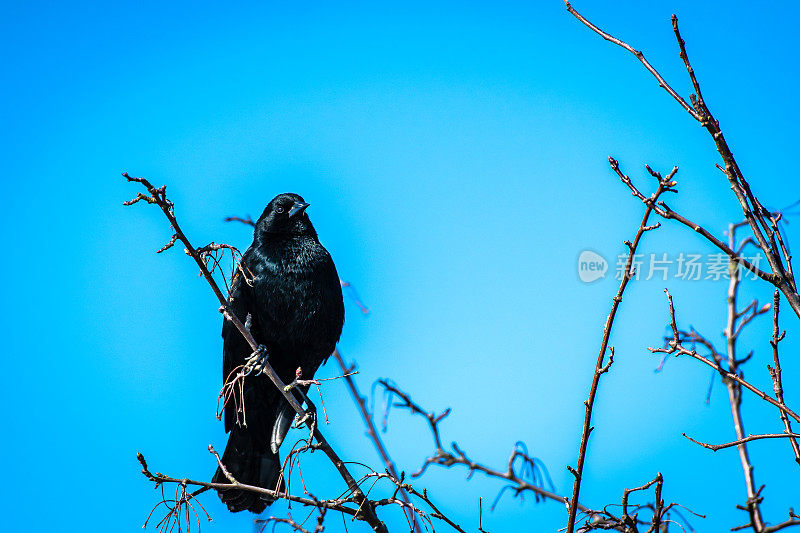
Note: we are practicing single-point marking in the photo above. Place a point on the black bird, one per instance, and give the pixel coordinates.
(289, 286)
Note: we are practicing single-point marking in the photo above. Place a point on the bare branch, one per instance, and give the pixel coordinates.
(631, 522)
(442, 457)
(247, 220)
(372, 432)
(748, 438)
(336, 505)
(775, 372)
(793, 520)
(731, 333)
(664, 211)
(674, 346)
(664, 184)
(640, 56)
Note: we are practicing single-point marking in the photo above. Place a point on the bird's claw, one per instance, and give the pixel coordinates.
(256, 361)
(299, 421)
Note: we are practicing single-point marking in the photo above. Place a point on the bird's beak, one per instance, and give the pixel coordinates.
(297, 208)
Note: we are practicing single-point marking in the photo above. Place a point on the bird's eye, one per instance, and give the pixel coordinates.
(279, 209)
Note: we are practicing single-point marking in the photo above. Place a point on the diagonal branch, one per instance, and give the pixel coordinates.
(373, 434)
(640, 56)
(675, 347)
(664, 211)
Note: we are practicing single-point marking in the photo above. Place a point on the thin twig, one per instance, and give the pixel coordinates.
(640, 56)
(664, 184)
(372, 432)
(748, 438)
(664, 211)
(442, 457)
(675, 347)
(775, 373)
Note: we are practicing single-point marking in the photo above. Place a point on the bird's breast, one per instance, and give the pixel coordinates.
(299, 301)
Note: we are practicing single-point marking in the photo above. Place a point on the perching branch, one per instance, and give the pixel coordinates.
(345, 504)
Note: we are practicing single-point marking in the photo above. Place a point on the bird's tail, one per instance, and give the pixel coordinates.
(249, 463)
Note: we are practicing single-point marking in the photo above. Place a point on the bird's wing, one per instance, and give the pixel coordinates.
(282, 424)
(332, 296)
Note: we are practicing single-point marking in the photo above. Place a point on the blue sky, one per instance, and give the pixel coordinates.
(455, 156)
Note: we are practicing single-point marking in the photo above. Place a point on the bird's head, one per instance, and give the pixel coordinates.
(285, 215)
